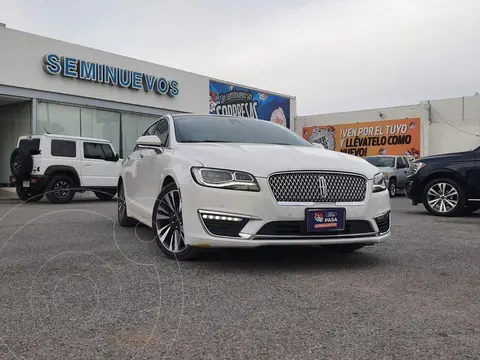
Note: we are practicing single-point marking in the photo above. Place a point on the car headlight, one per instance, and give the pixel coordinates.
(379, 183)
(417, 166)
(385, 175)
(225, 179)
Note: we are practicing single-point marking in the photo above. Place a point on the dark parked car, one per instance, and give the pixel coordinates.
(447, 184)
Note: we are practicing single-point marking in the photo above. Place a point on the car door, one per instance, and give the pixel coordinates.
(153, 162)
(402, 171)
(99, 165)
(132, 180)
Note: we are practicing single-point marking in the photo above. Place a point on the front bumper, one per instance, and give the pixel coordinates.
(228, 218)
(414, 189)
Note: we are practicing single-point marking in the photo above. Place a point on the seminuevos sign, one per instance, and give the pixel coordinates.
(73, 68)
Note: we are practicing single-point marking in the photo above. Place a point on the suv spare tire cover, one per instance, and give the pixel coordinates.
(21, 163)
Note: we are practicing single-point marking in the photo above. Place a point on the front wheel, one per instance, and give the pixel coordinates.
(123, 219)
(444, 197)
(392, 188)
(168, 225)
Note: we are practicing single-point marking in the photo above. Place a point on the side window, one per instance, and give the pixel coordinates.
(162, 131)
(98, 151)
(400, 161)
(151, 129)
(63, 148)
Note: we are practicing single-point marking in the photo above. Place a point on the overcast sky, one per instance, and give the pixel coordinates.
(333, 55)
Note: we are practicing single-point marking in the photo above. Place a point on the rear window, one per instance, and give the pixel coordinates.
(64, 148)
(31, 145)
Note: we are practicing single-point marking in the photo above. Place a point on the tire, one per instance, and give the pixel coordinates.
(123, 219)
(345, 248)
(59, 189)
(105, 196)
(392, 188)
(21, 163)
(170, 223)
(29, 195)
(471, 208)
(444, 197)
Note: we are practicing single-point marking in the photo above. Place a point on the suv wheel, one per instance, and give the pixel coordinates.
(29, 195)
(444, 197)
(59, 189)
(123, 219)
(392, 188)
(105, 196)
(168, 225)
(21, 163)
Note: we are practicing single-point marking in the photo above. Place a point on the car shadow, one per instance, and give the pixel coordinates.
(289, 257)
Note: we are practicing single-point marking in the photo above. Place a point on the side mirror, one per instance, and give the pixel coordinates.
(318, 145)
(116, 158)
(149, 140)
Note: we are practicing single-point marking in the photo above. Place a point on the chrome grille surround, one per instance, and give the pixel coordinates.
(305, 187)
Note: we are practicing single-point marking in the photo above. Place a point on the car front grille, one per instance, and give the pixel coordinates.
(298, 228)
(298, 187)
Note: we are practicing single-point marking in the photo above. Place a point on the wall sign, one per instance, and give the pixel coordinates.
(227, 99)
(385, 137)
(73, 68)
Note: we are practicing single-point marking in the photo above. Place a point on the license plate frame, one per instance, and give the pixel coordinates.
(26, 183)
(315, 220)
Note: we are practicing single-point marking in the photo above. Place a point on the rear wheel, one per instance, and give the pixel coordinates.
(59, 189)
(168, 225)
(29, 195)
(444, 197)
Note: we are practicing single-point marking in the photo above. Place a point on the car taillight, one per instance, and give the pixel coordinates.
(12, 179)
(34, 181)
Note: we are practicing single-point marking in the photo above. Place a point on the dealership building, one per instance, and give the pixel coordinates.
(63, 88)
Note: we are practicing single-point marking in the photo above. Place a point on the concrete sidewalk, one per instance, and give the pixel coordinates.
(8, 193)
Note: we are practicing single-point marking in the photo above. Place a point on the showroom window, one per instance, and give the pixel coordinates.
(58, 119)
(101, 124)
(133, 126)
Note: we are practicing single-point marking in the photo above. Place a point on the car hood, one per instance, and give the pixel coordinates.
(384, 169)
(445, 156)
(261, 160)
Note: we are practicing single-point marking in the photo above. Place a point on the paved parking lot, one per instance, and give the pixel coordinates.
(75, 286)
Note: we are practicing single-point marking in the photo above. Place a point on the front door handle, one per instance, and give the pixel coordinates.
(87, 165)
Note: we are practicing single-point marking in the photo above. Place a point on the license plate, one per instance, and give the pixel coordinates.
(26, 183)
(321, 220)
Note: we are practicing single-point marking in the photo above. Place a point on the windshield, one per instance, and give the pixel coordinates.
(381, 161)
(224, 129)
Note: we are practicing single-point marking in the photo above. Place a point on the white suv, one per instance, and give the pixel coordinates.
(58, 166)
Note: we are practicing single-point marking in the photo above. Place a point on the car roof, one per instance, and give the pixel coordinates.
(68, 137)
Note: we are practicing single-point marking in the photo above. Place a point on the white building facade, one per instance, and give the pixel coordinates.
(63, 88)
(436, 127)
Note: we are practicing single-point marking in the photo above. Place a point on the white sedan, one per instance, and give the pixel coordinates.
(204, 181)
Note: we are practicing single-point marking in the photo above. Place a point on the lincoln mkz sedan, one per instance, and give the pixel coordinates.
(205, 181)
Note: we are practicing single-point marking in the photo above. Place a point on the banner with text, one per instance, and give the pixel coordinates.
(388, 137)
(226, 99)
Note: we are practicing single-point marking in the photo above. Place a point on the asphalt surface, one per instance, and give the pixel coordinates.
(73, 285)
